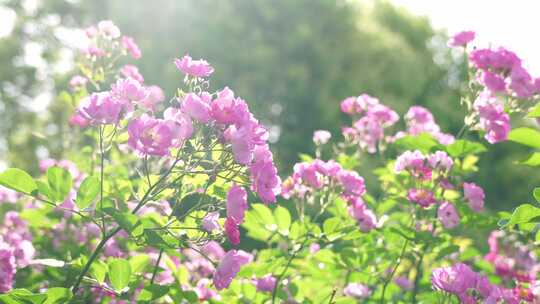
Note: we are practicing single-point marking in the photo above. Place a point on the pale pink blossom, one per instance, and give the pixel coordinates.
(229, 267)
(356, 290)
(474, 195)
(448, 215)
(236, 204)
(131, 71)
(197, 68)
(131, 47)
(461, 38)
(321, 137)
(210, 222)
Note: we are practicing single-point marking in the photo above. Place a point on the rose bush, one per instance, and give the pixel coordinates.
(160, 196)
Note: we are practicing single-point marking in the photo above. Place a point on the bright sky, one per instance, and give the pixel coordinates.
(509, 23)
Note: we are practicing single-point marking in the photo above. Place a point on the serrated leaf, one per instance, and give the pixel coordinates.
(423, 142)
(58, 295)
(24, 296)
(523, 214)
(152, 292)
(525, 136)
(18, 180)
(88, 191)
(283, 220)
(463, 147)
(99, 270)
(119, 273)
(138, 263)
(60, 183)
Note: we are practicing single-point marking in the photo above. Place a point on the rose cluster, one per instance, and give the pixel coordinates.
(228, 116)
(105, 38)
(513, 260)
(430, 173)
(371, 119)
(471, 287)
(420, 120)
(506, 86)
(308, 177)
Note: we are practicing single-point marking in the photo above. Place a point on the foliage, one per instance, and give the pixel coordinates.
(156, 188)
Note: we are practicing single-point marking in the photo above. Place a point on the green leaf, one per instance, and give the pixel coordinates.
(331, 228)
(533, 160)
(525, 136)
(190, 202)
(283, 220)
(37, 218)
(18, 180)
(463, 147)
(536, 194)
(119, 273)
(58, 295)
(260, 222)
(99, 271)
(88, 191)
(423, 142)
(60, 183)
(138, 263)
(43, 189)
(128, 221)
(152, 292)
(523, 214)
(535, 112)
(24, 296)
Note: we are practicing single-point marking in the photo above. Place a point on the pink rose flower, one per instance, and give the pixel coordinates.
(131, 71)
(101, 108)
(422, 197)
(197, 106)
(210, 222)
(232, 230)
(236, 204)
(131, 47)
(448, 215)
(150, 136)
(197, 68)
(229, 267)
(474, 195)
(266, 283)
(461, 38)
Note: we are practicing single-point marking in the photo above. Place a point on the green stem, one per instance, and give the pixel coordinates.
(101, 173)
(278, 280)
(154, 273)
(417, 277)
(107, 237)
(398, 262)
(93, 257)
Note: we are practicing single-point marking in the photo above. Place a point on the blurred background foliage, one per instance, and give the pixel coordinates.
(292, 61)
